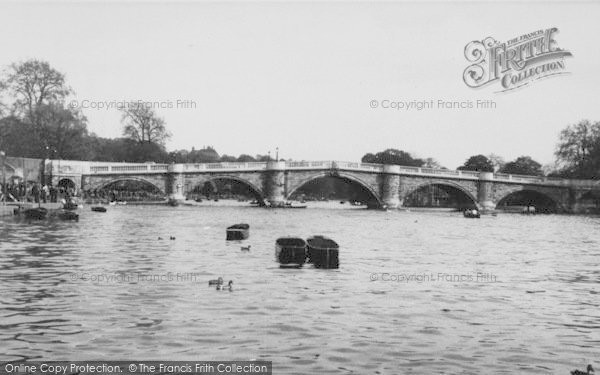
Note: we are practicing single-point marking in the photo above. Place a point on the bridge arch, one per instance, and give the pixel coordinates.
(341, 175)
(104, 183)
(67, 183)
(253, 188)
(455, 187)
(531, 196)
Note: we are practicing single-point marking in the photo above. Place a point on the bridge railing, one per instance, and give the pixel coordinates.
(128, 168)
(225, 166)
(555, 181)
(308, 164)
(359, 166)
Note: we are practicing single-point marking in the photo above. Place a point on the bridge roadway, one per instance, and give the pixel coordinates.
(276, 181)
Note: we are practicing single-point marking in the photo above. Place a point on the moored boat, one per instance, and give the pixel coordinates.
(99, 209)
(293, 205)
(70, 205)
(472, 214)
(37, 213)
(238, 232)
(323, 252)
(290, 252)
(68, 216)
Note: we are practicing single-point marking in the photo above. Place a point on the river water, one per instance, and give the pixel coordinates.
(416, 292)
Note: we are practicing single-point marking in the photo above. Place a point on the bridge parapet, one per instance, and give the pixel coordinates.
(128, 168)
(207, 167)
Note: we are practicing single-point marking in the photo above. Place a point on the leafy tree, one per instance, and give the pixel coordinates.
(497, 161)
(62, 132)
(16, 139)
(244, 158)
(205, 155)
(228, 158)
(432, 163)
(142, 124)
(39, 125)
(523, 165)
(478, 163)
(578, 150)
(392, 156)
(32, 83)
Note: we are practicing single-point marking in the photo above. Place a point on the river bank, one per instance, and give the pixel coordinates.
(8, 208)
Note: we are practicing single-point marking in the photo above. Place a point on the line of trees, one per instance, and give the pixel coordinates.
(36, 122)
(577, 156)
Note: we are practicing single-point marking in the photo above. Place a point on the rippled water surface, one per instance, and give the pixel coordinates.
(107, 288)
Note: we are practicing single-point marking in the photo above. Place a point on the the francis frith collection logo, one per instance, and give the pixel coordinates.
(514, 63)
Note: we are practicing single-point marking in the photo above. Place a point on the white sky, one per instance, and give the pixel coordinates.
(301, 75)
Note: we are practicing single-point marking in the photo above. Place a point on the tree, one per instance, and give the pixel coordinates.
(479, 163)
(392, 156)
(578, 150)
(244, 158)
(16, 139)
(33, 83)
(432, 163)
(143, 125)
(497, 161)
(228, 158)
(62, 132)
(39, 124)
(523, 165)
(206, 154)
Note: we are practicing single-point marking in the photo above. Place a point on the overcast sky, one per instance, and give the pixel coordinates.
(301, 76)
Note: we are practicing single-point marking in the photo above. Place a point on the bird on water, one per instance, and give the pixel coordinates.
(228, 287)
(246, 248)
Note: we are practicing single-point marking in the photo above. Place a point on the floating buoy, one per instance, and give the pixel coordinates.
(323, 252)
(290, 252)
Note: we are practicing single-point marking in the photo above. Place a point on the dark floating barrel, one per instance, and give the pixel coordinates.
(238, 232)
(323, 252)
(290, 252)
(99, 209)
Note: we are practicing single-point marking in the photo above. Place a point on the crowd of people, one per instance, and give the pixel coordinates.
(97, 195)
(34, 192)
(42, 193)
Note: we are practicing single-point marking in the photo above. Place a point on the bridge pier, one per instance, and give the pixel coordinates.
(274, 183)
(391, 186)
(175, 182)
(485, 192)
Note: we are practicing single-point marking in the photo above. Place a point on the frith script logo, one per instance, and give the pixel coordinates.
(515, 63)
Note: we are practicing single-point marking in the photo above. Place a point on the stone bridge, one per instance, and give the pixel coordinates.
(275, 181)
